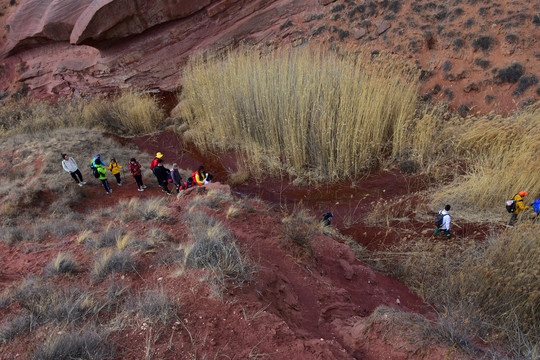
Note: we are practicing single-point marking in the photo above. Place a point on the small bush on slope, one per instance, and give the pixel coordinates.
(87, 344)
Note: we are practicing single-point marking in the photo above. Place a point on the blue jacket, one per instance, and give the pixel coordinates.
(97, 160)
(536, 206)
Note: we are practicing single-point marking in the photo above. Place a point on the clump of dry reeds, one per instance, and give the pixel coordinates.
(306, 109)
(502, 154)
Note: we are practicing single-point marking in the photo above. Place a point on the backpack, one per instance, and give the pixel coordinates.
(511, 206)
(439, 219)
(94, 170)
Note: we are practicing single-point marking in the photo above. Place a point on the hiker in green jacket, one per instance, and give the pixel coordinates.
(102, 171)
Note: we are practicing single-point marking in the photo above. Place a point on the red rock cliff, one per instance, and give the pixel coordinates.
(61, 47)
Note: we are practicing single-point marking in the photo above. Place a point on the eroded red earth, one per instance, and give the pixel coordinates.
(297, 306)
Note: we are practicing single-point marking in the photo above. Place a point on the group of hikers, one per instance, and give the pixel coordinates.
(163, 175)
(514, 206)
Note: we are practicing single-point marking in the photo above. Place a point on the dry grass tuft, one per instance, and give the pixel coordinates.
(86, 344)
(62, 264)
(334, 115)
(112, 261)
(147, 210)
(156, 306)
(233, 212)
(214, 248)
(299, 227)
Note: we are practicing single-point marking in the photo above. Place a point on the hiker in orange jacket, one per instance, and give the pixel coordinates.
(518, 199)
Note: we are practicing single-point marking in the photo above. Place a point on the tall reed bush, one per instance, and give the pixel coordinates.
(503, 154)
(332, 116)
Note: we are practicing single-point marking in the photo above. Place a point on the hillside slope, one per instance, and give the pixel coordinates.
(478, 55)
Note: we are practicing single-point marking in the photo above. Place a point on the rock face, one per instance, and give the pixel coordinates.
(66, 47)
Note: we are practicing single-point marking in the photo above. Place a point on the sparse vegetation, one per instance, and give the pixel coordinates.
(524, 83)
(147, 210)
(156, 306)
(484, 43)
(486, 290)
(112, 261)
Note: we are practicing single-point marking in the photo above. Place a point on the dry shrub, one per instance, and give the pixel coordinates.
(86, 344)
(112, 261)
(131, 112)
(156, 306)
(487, 290)
(299, 227)
(147, 210)
(213, 199)
(239, 177)
(214, 248)
(45, 303)
(306, 108)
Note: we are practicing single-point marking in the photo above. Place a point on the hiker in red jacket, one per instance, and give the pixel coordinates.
(135, 170)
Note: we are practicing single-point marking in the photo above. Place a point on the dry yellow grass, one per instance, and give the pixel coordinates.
(311, 110)
(503, 156)
(130, 113)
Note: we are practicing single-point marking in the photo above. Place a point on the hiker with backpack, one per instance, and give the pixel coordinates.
(154, 163)
(175, 177)
(135, 171)
(186, 185)
(102, 171)
(162, 175)
(115, 169)
(69, 165)
(97, 160)
(515, 206)
(442, 221)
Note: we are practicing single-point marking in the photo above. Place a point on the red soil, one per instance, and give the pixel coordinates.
(297, 306)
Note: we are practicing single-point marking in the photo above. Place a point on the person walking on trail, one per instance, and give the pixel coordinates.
(135, 171)
(175, 177)
(154, 163)
(102, 171)
(97, 160)
(187, 184)
(115, 169)
(536, 208)
(518, 206)
(162, 175)
(443, 223)
(69, 164)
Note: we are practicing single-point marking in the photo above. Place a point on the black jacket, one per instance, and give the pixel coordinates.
(161, 173)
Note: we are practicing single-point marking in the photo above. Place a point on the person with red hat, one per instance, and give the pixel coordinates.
(518, 200)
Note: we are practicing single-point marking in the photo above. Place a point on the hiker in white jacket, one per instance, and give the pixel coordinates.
(445, 227)
(69, 164)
